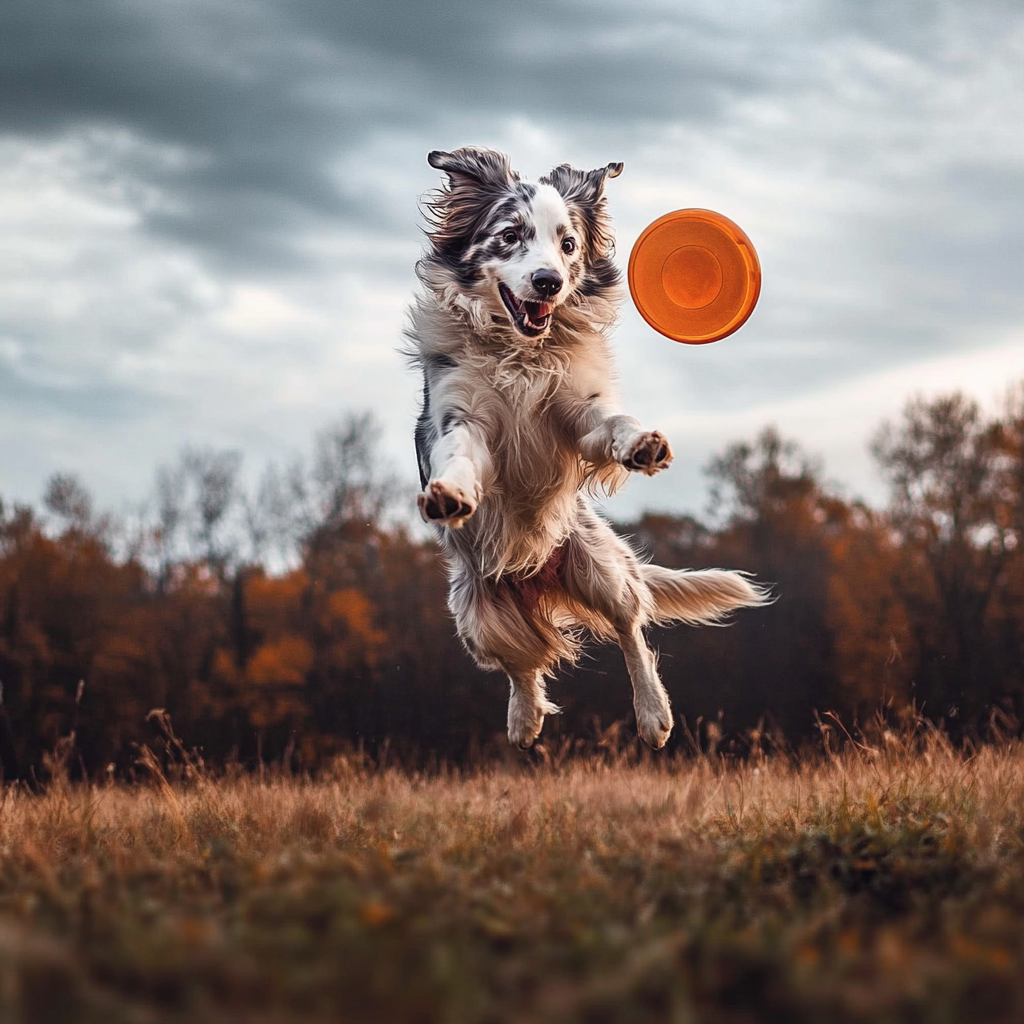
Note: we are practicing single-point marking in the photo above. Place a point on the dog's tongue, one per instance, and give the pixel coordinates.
(543, 308)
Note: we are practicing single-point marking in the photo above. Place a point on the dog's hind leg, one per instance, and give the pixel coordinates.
(650, 699)
(500, 634)
(602, 574)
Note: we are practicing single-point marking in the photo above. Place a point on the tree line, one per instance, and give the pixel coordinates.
(302, 615)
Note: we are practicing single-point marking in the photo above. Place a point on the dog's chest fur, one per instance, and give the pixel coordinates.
(524, 400)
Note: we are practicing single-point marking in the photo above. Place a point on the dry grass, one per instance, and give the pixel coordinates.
(883, 884)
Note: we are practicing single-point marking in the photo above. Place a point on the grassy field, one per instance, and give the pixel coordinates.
(882, 884)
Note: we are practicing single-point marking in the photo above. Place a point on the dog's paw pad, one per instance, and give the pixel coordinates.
(446, 507)
(443, 504)
(648, 453)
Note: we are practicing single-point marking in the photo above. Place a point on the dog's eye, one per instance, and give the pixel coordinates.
(509, 237)
(568, 246)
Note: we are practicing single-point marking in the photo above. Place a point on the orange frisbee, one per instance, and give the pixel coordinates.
(694, 276)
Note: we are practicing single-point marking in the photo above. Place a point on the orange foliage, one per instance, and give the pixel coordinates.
(283, 662)
(348, 620)
(272, 600)
(874, 650)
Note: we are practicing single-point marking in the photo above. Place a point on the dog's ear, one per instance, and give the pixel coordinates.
(584, 192)
(583, 187)
(473, 166)
(476, 177)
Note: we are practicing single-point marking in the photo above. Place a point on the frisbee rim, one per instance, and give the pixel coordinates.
(740, 242)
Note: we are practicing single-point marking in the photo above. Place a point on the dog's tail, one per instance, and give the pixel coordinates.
(700, 597)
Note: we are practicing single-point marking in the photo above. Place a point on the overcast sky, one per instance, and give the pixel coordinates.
(208, 212)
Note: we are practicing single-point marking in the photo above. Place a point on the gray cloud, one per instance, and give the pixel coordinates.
(213, 199)
(265, 98)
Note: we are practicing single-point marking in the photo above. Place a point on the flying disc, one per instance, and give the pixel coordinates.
(694, 276)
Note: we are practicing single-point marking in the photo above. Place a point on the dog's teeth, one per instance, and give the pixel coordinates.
(514, 303)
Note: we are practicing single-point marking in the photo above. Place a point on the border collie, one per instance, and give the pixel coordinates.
(520, 427)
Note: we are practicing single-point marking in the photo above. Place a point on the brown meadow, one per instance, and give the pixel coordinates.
(884, 883)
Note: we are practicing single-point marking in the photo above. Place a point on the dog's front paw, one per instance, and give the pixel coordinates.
(646, 452)
(445, 504)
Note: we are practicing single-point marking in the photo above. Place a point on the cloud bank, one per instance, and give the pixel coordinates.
(208, 211)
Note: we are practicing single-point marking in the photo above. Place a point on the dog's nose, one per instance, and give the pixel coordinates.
(547, 282)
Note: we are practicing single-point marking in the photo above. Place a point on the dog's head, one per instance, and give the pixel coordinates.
(513, 251)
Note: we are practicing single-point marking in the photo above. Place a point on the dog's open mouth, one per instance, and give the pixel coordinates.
(530, 318)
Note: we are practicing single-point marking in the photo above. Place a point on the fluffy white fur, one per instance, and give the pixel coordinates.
(521, 424)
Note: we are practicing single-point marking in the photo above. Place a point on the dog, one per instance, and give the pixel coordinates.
(520, 428)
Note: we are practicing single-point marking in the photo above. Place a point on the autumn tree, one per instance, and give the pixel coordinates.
(875, 654)
(196, 499)
(775, 515)
(1008, 615)
(72, 613)
(306, 640)
(941, 461)
(69, 501)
